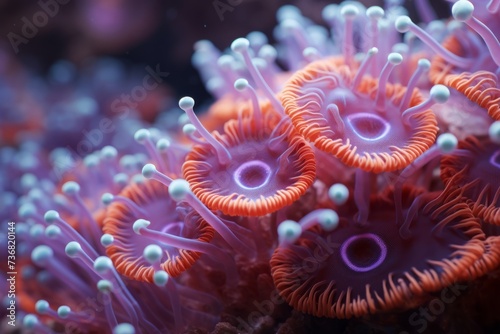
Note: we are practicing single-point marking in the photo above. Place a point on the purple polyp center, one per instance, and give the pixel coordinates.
(363, 252)
(368, 127)
(173, 228)
(252, 174)
(495, 159)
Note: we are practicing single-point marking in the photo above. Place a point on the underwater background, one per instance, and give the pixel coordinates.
(248, 166)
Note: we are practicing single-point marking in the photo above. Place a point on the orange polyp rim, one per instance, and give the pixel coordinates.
(120, 218)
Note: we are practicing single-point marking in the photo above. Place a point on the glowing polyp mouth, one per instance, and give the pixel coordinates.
(368, 127)
(495, 159)
(252, 175)
(358, 252)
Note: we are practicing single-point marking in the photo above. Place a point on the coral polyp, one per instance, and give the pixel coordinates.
(356, 270)
(366, 123)
(268, 166)
(143, 219)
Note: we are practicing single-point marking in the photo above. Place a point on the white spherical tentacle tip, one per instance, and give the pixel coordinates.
(63, 311)
(107, 240)
(395, 58)
(42, 306)
(268, 52)
(142, 135)
(311, 53)
(188, 129)
(403, 24)
(30, 321)
(225, 62)
(41, 254)
(163, 144)
(373, 51)
(103, 264)
(241, 84)
(338, 193)
(289, 25)
(330, 12)
(160, 278)
(109, 152)
(148, 171)
(240, 45)
(179, 189)
(72, 249)
(140, 224)
(329, 220)
(105, 286)
(494, 132)
(375, 12)
(124, 328)
(51, 216)
(71, 188)
(424, 64)
(107, 198)
(447, 143)
(53, 232)
(289, 231)
(152, 253)
(186, 102)
(440, 94)
(349, 12)
(27, 210)
(462, 10)
(91, 160)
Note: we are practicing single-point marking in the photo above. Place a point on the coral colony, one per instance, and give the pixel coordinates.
(351, 171)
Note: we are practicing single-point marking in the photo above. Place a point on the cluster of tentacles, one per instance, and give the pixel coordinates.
(351, 183)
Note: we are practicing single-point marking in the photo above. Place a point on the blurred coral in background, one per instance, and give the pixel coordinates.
(337, 169)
